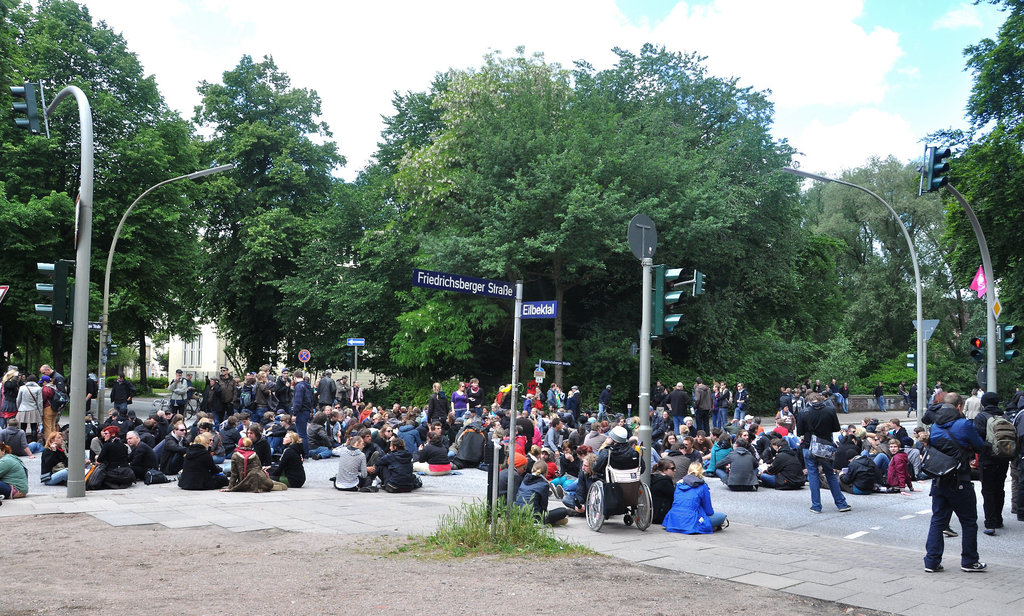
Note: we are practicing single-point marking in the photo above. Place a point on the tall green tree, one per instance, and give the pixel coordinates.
(261, 214)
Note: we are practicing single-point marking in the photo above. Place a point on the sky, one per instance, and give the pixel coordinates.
(849, 79)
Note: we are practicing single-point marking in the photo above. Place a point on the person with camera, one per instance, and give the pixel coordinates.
(179, 392)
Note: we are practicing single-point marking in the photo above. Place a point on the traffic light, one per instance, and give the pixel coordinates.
(933, 173)
(660, 322)
(978, 349)
(26, 93)
(57, 292)
(698, 283)
(1009, 342)
(912, 360)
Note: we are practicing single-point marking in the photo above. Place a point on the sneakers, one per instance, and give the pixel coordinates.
(973, 567)
(934, 569)
(315, 456)
(845, 509)
(949, 532)
(813, 510)
(991, 532)
(559, 492)
(561, 522)
(369, 489)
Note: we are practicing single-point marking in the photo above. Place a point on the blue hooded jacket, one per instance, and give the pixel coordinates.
(691, 508)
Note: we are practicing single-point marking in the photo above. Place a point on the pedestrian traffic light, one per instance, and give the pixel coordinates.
(978, 349)
(57, 312)
(934, 170)
(698, 283)
(660, 322)
(27, 94)
(1009, 342)
(111, 350)
(912, 360)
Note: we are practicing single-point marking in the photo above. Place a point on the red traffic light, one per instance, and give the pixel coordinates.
(977, 343)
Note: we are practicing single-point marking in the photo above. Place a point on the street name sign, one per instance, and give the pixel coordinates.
(463, 284)
(540, 310)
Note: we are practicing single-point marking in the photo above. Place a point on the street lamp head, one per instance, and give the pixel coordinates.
(807, 175)
(201, 173)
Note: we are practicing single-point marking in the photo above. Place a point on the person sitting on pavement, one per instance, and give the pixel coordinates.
(141, 459)
(410, 433)
(899, 471)
(432, 458)
(247, 474)
(259, 442)
(533, 493)
(786, 471)
(199, 471)
(395, 468)
(353, 476)
(53, 469)
(691, 511)
(469, 446)
(740, 466)
(229, 435)
(721, 449)
(289, 470)
(172, 456)
(16, 440)
(521, 464)
(13, 475)
(861, 477)
(663, 487)
(320, 442)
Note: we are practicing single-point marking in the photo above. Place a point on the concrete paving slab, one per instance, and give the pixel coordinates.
(820, 591)
(766, 580)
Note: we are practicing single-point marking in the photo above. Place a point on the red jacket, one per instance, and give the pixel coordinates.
(898, 476)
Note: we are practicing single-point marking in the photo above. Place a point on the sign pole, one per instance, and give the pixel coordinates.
(513, 408)
(355, 371)
(644, 431)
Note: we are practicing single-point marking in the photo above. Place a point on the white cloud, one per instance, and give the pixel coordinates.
(805, 51)
(831, 148)
(963, 16)
(356, 54)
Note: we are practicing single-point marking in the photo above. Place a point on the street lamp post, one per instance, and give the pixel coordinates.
(922, 359)
(110, 260)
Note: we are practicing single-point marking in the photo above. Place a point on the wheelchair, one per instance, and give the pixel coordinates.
(621, 493)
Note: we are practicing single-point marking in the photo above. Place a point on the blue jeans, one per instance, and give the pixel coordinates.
(677, 422)
(58, 478)
(275, 443)
(301, 421)
(881, 461)
(881, 403)
(739, 413)
(814, 481)
(5, 489)
(600, 411)
(768, 480)
(35, 447)
(121, 407)
(717, 519)
(721, 474)
(946, 501)
(323, 452)
(721, 417)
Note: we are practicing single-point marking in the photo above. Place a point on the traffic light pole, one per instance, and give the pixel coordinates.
(644, 409)
(990, 291)
(80, 331)
(922, 357)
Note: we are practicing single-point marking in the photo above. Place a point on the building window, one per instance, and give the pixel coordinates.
(192, 353)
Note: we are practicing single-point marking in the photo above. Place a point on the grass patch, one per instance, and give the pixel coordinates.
(466, 531)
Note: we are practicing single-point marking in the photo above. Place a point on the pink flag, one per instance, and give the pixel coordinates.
(979, 283)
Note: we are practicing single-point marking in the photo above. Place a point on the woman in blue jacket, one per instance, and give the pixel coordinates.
(691, 512)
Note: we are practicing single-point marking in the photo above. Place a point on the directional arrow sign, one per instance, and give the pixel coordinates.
(355, 341)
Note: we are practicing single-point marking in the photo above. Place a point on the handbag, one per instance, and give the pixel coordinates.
(936, 464)
(95, 476)
(822, 448)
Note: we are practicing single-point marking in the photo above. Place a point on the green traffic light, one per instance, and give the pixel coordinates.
(934, 170)
(26, 93)
(1009, 341)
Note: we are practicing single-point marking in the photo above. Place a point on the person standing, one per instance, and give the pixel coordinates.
(678, 404)
(121, 393)
(880, 397)
(604, 401)
(302, 406)
(742, 396)
(344, 392)
(993, 468)
(326, 391)
(283, 390)
(572, 403)
(55, 377)
(912, 401)
(179, 392)
(92, 389)
(702, 403)
(955, 436)
(820, 421)
(49, 415)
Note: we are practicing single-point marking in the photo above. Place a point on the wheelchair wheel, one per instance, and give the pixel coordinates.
(644, 508)
(595, 506)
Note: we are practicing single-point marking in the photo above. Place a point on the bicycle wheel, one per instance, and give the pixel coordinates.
(191, 408)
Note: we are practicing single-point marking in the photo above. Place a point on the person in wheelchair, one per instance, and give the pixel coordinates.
(619, 463)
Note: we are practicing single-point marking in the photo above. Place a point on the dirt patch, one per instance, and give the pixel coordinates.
(76, 564)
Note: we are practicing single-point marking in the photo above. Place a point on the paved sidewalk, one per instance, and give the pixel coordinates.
(825, 568)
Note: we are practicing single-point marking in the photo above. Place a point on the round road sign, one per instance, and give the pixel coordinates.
(304, 355)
